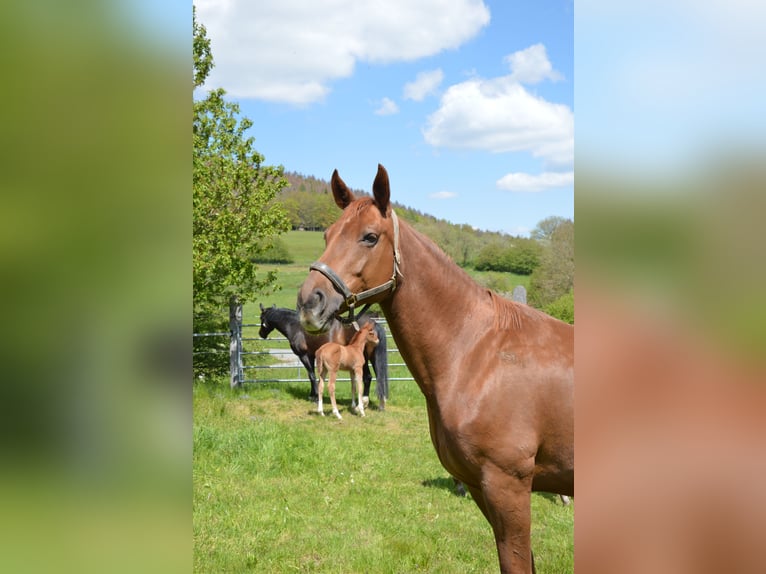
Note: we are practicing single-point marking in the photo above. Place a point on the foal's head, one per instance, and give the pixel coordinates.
(359, 248)
(370, 334)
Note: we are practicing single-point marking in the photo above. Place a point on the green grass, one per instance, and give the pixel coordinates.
(280, 489)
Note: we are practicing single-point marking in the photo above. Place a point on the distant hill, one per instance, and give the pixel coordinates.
(310, 206)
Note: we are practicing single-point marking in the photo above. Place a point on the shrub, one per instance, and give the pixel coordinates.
(277, 253)
(562, 308)
(518, 255)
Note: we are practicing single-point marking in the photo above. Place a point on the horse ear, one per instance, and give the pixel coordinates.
(381, 190)
(340, 191)
(261, 304)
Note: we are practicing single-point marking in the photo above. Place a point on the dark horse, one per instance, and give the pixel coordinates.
(501, 408)
(305, 346)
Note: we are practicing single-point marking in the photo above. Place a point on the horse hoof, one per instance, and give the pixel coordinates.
(337, 414)
(321, 413)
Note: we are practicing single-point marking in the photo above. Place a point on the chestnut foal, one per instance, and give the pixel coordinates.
(332, 357)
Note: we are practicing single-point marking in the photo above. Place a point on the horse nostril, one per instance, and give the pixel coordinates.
(318, 298)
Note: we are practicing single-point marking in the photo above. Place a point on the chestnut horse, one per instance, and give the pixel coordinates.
(500, 410)
(332, 357)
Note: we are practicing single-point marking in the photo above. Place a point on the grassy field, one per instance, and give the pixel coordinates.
(279, 489)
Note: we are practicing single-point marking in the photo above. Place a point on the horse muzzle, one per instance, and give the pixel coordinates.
(318, 303)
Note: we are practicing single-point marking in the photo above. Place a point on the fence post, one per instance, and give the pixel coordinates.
(235, 343)
(519, 294)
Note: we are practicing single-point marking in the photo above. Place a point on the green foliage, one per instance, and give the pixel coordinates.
(276, 253)
(555, 275)
(562, 308)
(235, 216)
(211, 354)
(515, 255)
(523, 256)
(203, 55)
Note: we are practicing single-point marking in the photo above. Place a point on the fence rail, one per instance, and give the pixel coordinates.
(270, 355)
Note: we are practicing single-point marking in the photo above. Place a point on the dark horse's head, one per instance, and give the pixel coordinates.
(266, 326)
(358, 264)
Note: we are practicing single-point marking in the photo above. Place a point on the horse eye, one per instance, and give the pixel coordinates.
(370, 238)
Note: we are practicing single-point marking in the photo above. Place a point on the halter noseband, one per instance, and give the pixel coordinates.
(350, 300)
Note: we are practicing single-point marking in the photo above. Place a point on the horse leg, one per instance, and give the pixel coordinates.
(308, 363)
(331, 388)
(367, 378)
(507, 505)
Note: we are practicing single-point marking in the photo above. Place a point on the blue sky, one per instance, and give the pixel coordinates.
(469, 105)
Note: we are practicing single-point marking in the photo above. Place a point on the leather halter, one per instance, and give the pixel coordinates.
(351, 300)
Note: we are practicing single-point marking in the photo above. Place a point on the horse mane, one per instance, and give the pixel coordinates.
(511, 315)
(369, 326)
(280, 312)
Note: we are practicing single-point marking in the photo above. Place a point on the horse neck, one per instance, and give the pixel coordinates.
(285, 321)
(359, 340)
(431, 308)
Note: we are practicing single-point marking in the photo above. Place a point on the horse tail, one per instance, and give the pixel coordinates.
(380, 364)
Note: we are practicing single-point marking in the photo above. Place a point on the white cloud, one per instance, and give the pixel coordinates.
(531, 66)
(425, 84)
(290, 50)
(387, 108)
(499, 115)
(533, 183)
(443, 195)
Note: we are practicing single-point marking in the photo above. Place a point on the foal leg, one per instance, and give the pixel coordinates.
(356, 388)
(320, 390)
(331, 388)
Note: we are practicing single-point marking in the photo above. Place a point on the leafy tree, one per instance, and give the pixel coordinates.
(235, 217)
(555, 275)
(545, 229)
(522, 256)
(489, 257)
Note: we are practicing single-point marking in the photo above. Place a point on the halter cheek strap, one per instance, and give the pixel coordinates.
(351, 300)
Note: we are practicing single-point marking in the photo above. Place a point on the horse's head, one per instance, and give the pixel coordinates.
(358, 264)
(266, 327)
